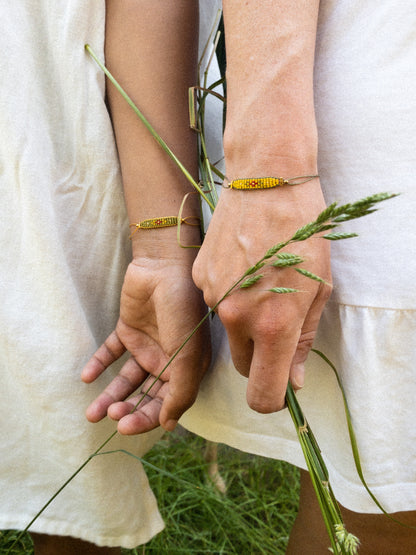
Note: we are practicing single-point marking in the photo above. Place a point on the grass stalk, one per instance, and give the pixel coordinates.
(55, 495)
(341, 542)
(320, 480)
(316, 466)
(330, 218)
(146, 123)
(354, 443)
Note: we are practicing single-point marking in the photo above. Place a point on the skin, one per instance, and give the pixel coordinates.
(270, 335)
(378, 535)
(285, 122)
(266, 135)
(160, 304)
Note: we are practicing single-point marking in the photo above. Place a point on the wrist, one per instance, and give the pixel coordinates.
(168, 230)
(164, 244)
(287, 206)
(276, 155)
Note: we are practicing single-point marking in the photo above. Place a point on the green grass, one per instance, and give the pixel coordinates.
(23, 547)
(253, 517)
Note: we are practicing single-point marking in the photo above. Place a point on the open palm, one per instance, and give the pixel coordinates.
(159, 308)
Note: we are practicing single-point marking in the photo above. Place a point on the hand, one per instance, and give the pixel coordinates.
(159, 307)
(270, 334)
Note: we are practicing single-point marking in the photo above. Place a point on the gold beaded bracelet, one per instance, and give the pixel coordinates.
(268, 182)
(164, 221)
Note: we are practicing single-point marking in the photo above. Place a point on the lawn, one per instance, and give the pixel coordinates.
(253, 517)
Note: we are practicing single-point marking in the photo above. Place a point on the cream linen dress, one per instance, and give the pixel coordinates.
(365, 80)
(63, 251)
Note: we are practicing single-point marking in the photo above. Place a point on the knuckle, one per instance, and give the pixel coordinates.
(208, 299)
(203, 285)
(229, 314)
(197, 274)
(325, 291)
(282, 327)
(306, 339)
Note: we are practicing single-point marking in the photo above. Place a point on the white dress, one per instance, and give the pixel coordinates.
(63, 251)
(62, 209)
(365, 79)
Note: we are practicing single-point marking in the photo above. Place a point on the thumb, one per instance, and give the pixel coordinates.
(297, 375)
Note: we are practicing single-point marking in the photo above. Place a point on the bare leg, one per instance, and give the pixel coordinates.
(65, 545)
(378, 535)
(211, 456)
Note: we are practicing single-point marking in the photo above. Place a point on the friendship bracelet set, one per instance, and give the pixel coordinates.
(246, 184)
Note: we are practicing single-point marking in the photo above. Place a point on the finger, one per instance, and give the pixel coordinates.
(130, 377)
(274, 350)
(307, 336)
(297, 369)
(241, 350)
(241, 344)
(111, 350)
(148, 391)
(145, 417)
(118, 410)
(185, 379)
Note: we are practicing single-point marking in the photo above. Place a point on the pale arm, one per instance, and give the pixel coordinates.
(270, 131)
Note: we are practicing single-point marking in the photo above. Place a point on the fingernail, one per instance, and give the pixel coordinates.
(297, 376)
(170, 425)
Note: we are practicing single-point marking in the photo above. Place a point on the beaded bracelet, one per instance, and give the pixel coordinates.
(164, 221)
(268, 182)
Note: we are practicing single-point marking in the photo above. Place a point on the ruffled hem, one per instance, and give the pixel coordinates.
(371, 348)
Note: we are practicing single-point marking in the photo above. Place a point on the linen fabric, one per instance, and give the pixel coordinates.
(64, 249)
(365, 77)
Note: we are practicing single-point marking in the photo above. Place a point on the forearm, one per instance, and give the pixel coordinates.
(151, 48)
(270, 131)
(271, 126)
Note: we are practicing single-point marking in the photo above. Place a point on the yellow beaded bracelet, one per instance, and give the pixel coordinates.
(164, 221)
(268, 182)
